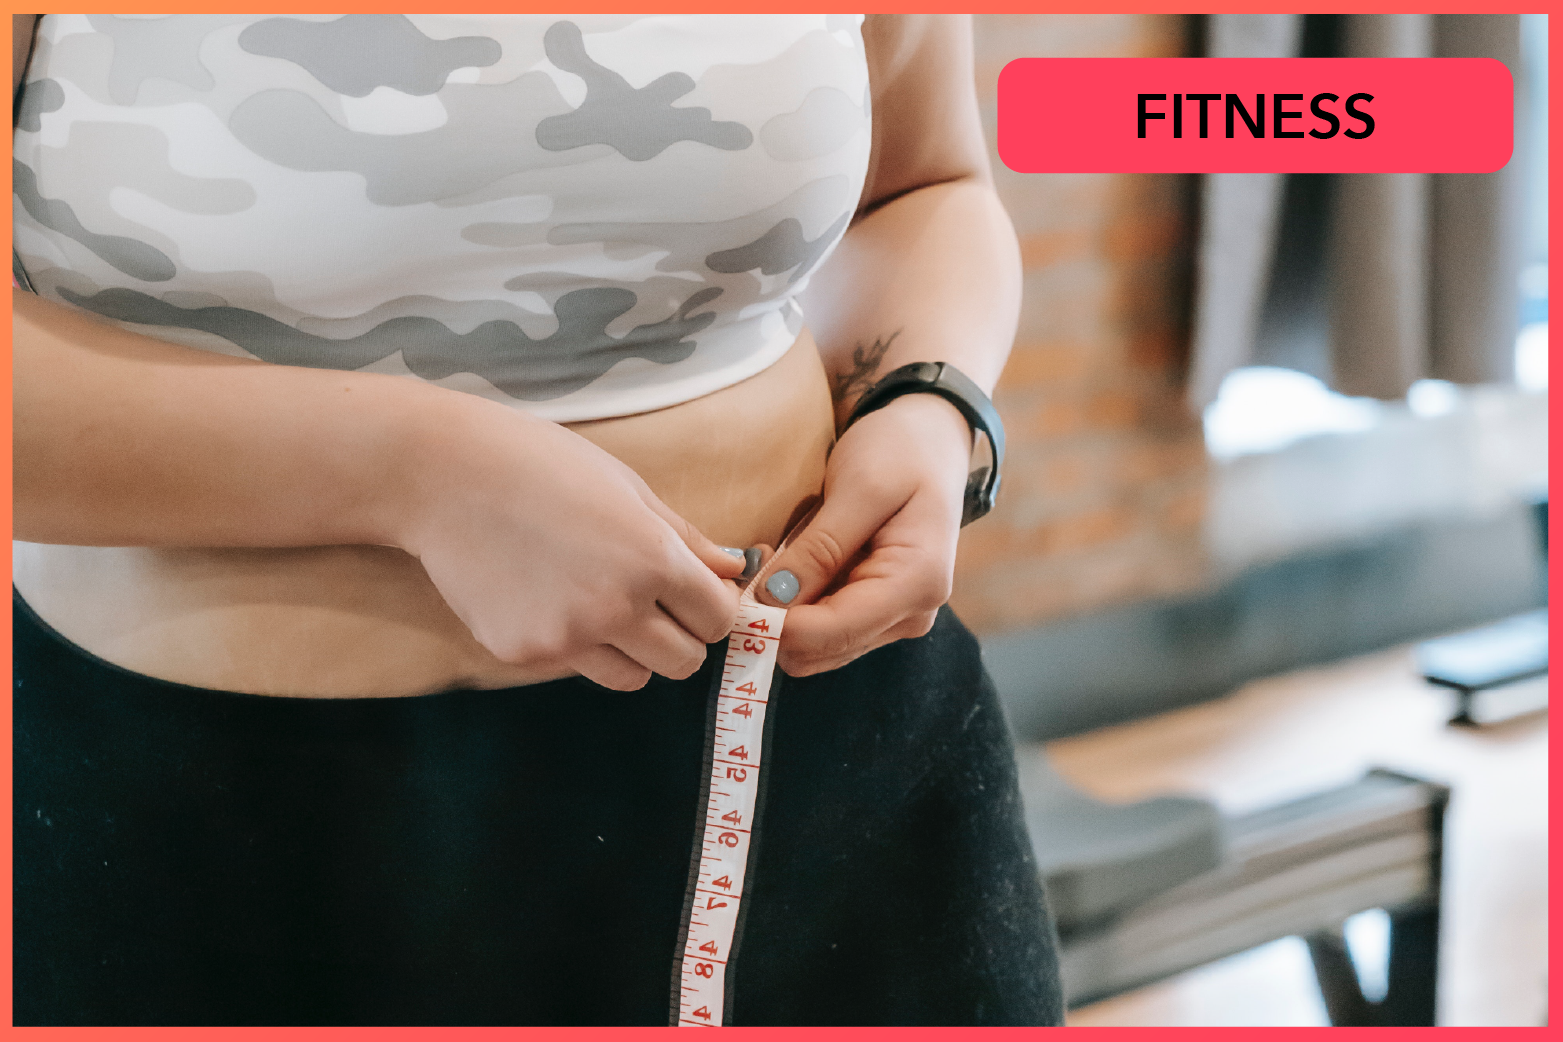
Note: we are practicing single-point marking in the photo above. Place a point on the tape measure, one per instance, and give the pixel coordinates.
(735, 752)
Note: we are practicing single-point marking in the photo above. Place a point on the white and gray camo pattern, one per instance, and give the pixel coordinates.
(578, 215)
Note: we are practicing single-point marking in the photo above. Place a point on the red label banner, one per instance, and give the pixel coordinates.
(1229, 115)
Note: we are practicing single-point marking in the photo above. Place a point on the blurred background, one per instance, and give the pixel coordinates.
(1268, 435)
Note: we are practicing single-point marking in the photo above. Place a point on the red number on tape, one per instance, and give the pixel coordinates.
(703, 1012)
(757, 646)
(728, 839)
(709, 947)
(725, 884)
(739, 752)
(744, 710)
(746, 687)
(737, 773)
(761, 625)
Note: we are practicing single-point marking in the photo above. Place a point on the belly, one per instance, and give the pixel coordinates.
(360, 621)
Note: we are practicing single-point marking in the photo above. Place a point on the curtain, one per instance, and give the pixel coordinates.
(1239, 218)
(1419, 272)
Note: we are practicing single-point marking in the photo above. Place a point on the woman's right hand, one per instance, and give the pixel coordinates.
(555, 553)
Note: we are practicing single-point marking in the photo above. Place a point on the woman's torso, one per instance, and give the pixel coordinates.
(243, 184)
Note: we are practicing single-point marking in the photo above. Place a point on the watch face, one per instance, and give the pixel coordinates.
(982, 488)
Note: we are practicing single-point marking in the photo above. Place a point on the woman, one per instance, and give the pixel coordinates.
(346, 697)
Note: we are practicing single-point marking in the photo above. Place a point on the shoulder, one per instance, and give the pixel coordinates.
(899, 45)
(927, 128)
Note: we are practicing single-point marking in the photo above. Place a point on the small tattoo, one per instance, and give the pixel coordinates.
(865, 364)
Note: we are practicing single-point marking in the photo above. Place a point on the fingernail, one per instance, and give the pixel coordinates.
(783, 586)
(751, 563)
(732, 551)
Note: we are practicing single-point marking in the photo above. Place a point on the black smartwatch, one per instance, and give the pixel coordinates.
(949, 383)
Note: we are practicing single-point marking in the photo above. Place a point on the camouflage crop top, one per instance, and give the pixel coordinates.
(581, 216)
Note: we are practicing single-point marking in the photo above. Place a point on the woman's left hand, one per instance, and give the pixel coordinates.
(875, 564)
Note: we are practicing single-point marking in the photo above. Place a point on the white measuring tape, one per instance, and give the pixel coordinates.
(736, 746)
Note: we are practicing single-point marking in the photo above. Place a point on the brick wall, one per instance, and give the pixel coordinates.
(1105, 477)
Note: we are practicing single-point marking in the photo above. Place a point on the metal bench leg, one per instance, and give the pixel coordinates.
(1412, 998)
(1337, 974)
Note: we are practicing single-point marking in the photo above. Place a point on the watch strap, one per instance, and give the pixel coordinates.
(943, 379)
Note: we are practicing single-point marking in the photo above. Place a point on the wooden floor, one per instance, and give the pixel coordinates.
(1286, 736)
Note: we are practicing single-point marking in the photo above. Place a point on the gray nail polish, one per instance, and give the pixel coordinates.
(732, 551)
(751, 563)
(783, 586)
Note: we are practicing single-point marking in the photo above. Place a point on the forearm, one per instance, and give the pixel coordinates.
(122, 440)
(932, 276)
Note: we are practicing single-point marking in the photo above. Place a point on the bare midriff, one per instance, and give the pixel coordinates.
(365, 621)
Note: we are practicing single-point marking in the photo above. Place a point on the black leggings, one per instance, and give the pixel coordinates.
(185, 856)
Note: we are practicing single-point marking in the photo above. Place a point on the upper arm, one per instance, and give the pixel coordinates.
(22, 26)
(927, 129)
